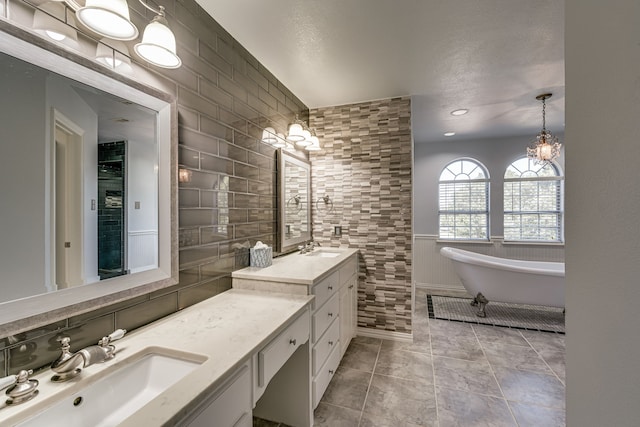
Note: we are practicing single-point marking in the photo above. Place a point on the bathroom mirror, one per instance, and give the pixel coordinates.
(86, 179)
(294, 194)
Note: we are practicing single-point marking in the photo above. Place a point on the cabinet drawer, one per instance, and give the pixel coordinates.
(324, 346)
(321, 382)
(229, 405)
(325, 288)
(348, 269)
(278, 351)
(323, 317)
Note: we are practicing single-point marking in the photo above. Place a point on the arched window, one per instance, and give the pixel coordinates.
(533, 202)
(463, 212)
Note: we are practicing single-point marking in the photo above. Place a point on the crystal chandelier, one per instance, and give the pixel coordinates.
(546, 147)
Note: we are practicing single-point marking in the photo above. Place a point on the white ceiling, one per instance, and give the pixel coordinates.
(491, 56)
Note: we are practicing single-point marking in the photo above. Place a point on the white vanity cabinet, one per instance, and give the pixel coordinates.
(231, 404)
(228, 406)
(334, 309)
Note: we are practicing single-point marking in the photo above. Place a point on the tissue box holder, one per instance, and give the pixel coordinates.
(260, 257)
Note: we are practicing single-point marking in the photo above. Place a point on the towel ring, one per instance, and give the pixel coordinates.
(297, 199)
(327, 201)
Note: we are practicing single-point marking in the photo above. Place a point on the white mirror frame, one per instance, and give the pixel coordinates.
(289, 244)
(32, 312)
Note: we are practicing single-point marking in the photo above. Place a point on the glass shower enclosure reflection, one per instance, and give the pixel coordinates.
(111, 209)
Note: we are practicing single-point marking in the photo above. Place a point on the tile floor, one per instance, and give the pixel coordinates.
(454, 374)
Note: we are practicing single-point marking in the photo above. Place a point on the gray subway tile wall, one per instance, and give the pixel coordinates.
(365, 169)
(225, 98)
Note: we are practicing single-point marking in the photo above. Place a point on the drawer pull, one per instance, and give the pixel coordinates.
(292, 341)
(331, 343)
(330, 314)
(330, 288)
(330, 371)
(350, 286)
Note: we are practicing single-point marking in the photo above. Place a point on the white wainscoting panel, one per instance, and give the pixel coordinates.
(142, 250)
(435, 273)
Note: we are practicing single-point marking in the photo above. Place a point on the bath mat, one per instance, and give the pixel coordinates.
(519, 316)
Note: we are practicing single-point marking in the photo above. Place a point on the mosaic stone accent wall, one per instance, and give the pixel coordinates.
(365, 169)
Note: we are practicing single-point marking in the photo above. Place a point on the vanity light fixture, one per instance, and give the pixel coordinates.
(315, 142)
(158, 44)
(295, 130)
(460, 112)
(546, 147)
(280, 141)
(269, 135)
(109, 18)
(114, 54)
(49, 19)
(306, 134)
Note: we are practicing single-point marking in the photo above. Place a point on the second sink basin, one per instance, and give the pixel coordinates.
(118, 395)
(324, 253)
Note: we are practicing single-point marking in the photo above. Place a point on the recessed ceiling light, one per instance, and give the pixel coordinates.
(459, 112)
(449, 133)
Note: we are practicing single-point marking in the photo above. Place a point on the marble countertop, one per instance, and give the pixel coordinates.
(295, 268)
(223, 330)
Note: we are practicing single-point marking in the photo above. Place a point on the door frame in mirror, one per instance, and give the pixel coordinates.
(289, 244)
(32, 312)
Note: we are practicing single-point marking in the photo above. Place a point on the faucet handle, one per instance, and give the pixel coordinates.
(113, 336)
(23, 388)
(7, 381)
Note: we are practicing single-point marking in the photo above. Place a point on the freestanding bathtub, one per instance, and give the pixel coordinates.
(490, 278)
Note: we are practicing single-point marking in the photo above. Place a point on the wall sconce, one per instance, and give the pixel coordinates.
(184, 175)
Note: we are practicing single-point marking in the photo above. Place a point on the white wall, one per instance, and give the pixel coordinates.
(62, 97)
(142, 223)
(495, 154)
(22, 183)
(602, 48)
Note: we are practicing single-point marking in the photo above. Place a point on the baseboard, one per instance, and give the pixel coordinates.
(385, 335)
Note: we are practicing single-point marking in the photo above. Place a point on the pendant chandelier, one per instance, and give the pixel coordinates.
(546, 147)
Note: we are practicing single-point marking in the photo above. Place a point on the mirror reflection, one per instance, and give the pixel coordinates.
(295, 196)
(78, 182)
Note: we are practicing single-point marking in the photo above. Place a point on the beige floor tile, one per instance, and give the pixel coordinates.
(457, 347)
(461, 409)
(361, 354)
(327, 415)
(465, 375)
(348, 388)
(514, 356)
(531, 387)
(405, 364)
(537, 416)
(400, 400)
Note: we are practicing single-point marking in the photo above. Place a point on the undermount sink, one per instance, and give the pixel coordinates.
(117, 395)
(324, 253)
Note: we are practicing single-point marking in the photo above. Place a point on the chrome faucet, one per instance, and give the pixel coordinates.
(68, 365)
(20, 387)
(308, 247)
